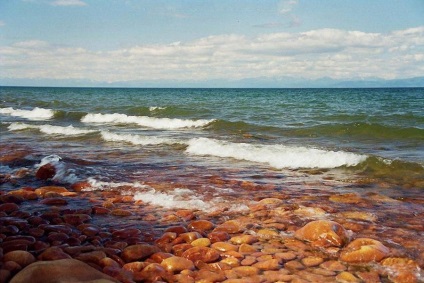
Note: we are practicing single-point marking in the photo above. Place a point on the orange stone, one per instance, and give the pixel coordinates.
(323, 233)
(201, 253)
(364, 250)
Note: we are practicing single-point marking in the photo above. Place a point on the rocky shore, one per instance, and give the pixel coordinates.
(52, 232)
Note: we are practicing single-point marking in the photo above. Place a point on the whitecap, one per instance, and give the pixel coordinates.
(50, 129)
(135, 139)
(278, 156)
(35, 114)
(144, 121)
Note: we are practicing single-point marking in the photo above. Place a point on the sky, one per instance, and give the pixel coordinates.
(194, 42)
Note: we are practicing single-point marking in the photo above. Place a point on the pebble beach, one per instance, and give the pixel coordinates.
(53, 232)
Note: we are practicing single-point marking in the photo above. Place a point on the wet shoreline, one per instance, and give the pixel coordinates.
(302, 232)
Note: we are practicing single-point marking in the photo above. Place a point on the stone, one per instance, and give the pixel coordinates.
(323, 233)
(126, 233)
(246, 271)
(224, 246)
(201, 242)
(230, 226)
(46, 172)
(201, 253)
(244, 239)
(247, 249)
(271, 264)
(401, 270)
(364, 250)
(153, 272)
(53, 253)
(333, 265)
(209, 276)
(138, 252)
(177, 264)
(312, 261)
(218, 236)
(350, 198)
(23, 258)
(54, 201)
(65, 270)
(347, 277)
(76, 219)
(42, 191)
(9, 207)
(200, 225)
(121, 212)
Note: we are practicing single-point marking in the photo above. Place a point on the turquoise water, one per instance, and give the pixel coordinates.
(365, 134)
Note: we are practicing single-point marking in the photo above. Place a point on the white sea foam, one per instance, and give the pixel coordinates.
(277, 156)
(144, 121)
(50, 129)
(179, 198)
(135, 139)
(156, 108)
(63, 174)
(34, 114)
(96, 185)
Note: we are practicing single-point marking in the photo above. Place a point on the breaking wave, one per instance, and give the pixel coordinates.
(135, 139)
(277, 156)
(36, 114)
(144, 121)
(50, 129)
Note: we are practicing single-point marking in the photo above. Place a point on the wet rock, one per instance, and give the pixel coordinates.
(230, 227)
(401, 270)
(224, 247)
(364, 250)
(158, 257)
(121, 212)
(359, 215)
(209, 276)
(23, 258)
(218, 236)
(312, 261)
(323, 233)
(187, 237)
(244, 239)
(45, 172)
(247, 249)
(347, 277)
(126, 233)
(350, 198)
(177, 264)
(94, 257)
(245, 271)
(54, 201)
(138, 252)
(200, 225)
(42, 191)
(100, 210)
(65, 270)
(333, 265)
(9, 207)
(201, 253)
(154, 272)
(271, 264)
(53, 253)
(201, 242)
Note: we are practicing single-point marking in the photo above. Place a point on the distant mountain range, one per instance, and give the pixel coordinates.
(284, 82)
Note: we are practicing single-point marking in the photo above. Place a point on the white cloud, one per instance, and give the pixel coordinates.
(313, 54)
(68, 3)
(2, 23)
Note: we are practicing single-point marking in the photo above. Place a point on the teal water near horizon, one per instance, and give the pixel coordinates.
(373, 134)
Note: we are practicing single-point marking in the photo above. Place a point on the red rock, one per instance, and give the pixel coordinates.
(76, 219)
(200, 225)
(230, 226)
(65, 270)
(46, 172)
(100, 210)
(271, 264)
(224, 247)
(53, 253)
(159, 256)
(177, 264)
(54, 201)
(9, 207)
(11, 199)
(80, 186)
(180, 248)
(94, 257)
(5, 275)
(177, 229)
(187, 237)
(201, 253)
(364, 250)
(23, 258)
(218, 236)
(56, 228)
(138, 252)
(42, 191)
(153, 273)
(126, 233)
(401, 270)
(323, 233)
(121, 212)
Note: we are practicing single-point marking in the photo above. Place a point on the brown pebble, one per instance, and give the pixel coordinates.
(176, 264)
(244, 239)
(138, 252)
(230, 226)
(323, 233)
(312, 261)
(333, 265)
(200, 225)
(54, 201)
(224, 246)
(46, 172)
(44, 190)
(121, 212)
(53, 253)
(9, 207)
(23, 258)
(271, 264)
(294, 265)
(364, 250)
(201, 253)
(219, 236)
(347, 277)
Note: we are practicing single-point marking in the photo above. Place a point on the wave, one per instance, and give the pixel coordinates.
(277, 156)
(136, 139)
(50, 129)
(145, 121)
(156, 108)
(36, 114)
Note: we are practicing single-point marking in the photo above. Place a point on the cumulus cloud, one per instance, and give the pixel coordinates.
(68, 3)
(334, 53)
(286, 6)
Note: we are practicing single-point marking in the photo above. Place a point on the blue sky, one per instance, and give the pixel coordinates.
(183, 42)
